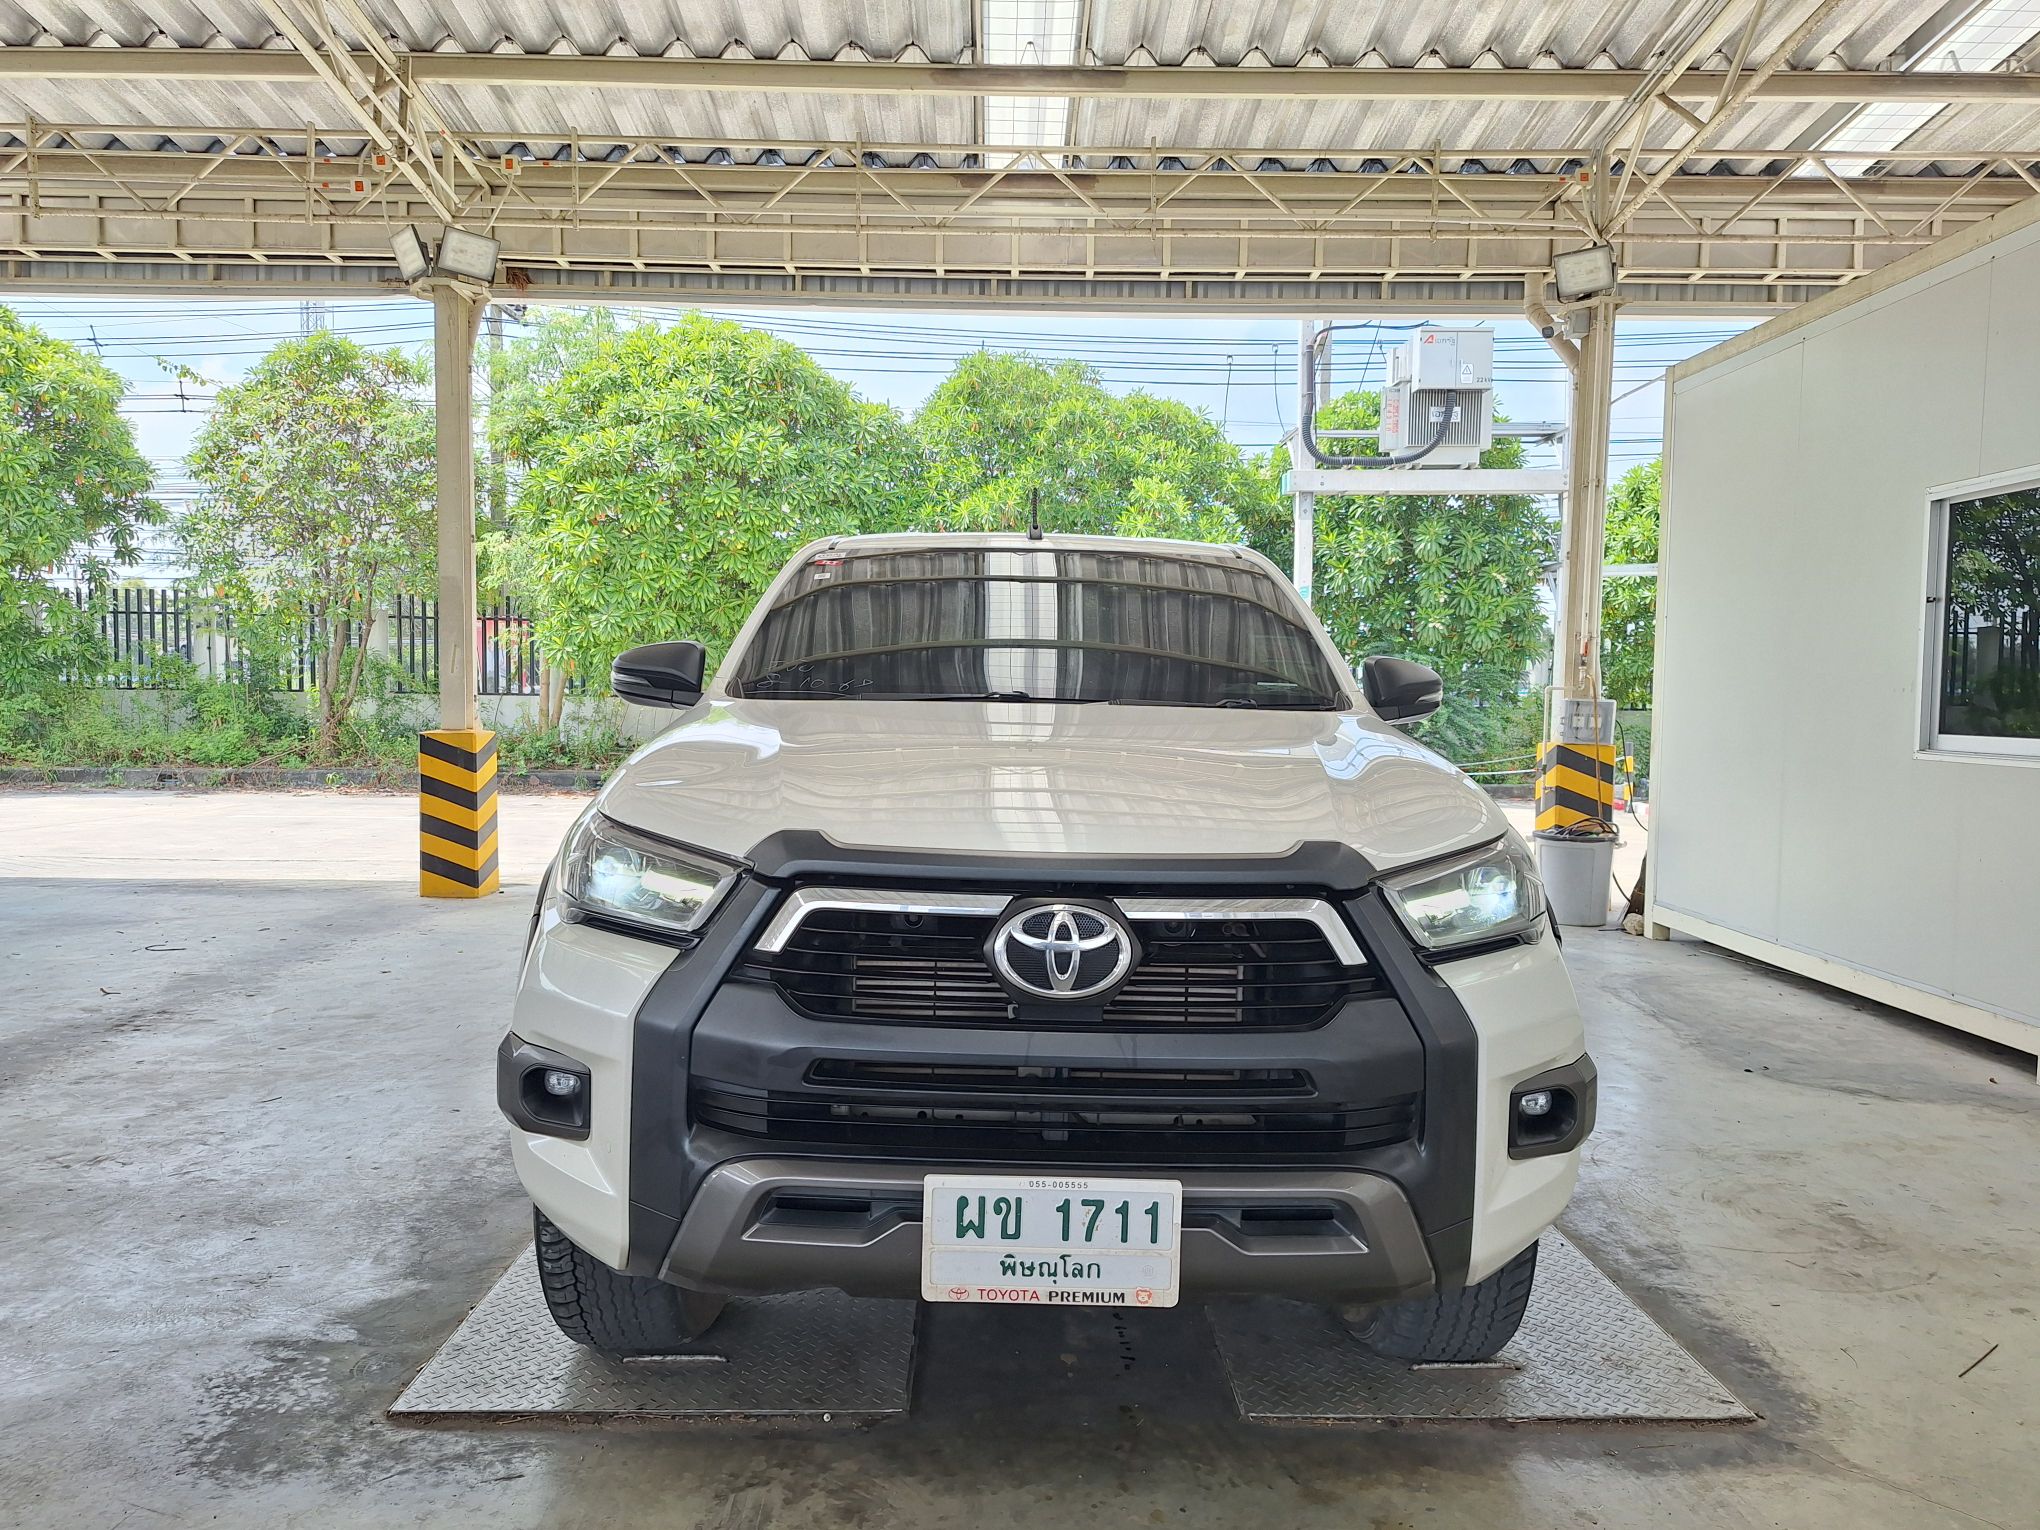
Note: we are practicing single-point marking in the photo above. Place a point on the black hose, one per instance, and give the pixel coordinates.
(1390, 459)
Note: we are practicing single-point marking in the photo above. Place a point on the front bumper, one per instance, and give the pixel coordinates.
(796, 1224)
(663, 1186)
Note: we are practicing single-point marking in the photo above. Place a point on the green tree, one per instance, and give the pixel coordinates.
(666, 474)
(316, 474)
(70, 479)
(1002, 427)
(1629, 605)
(1994, 580)
(553, 343)
(1448, 580)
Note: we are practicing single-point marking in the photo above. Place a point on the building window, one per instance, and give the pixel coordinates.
(1987, 648)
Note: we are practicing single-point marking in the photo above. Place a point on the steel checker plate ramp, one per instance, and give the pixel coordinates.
(815, 1353)
(1585, 1351)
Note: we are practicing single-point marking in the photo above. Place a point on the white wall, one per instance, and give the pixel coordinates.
(1795, 813)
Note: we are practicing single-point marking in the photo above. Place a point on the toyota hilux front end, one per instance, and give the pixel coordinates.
(1042, 921)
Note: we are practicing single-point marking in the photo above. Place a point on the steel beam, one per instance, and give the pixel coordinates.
(824, 77)
(1736, 94)
(1434, 481)
(146, 272)
(47, 175)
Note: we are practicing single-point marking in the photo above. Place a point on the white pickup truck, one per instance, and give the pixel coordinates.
(1042, 919)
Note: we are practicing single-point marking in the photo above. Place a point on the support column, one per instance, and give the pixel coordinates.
(457, 760)
(456, 319)
(1576, 764)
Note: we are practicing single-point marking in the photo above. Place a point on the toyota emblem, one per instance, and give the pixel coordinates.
(1061, 950)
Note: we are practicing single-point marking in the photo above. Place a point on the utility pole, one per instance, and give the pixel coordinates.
(1303, 503)
(492, 320)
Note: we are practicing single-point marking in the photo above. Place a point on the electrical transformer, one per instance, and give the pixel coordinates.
(1440, 376)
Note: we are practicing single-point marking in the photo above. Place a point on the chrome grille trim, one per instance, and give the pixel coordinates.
(888, 900)
(878, 900)
(1312, 910)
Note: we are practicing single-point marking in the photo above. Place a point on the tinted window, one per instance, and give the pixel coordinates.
(1044, 625)
(1990, 667)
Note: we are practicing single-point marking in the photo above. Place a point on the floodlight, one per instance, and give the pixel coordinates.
(470, 255)
(412, 261)
(1584, 273)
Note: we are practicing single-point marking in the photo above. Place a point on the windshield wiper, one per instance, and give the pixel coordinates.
(978, 696)
(1291, 704)
(768, 686)
(1316, 704)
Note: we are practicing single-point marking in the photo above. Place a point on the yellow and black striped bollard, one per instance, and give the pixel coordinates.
(1575, 783)
(457, 813)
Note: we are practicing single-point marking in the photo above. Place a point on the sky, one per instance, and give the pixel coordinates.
(1239, 371)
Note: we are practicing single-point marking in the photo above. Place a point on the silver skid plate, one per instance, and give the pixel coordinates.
(816, 1354)
(1585, 1351)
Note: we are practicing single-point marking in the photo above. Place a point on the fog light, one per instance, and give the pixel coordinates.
(563, 1085)
(1536, 1103)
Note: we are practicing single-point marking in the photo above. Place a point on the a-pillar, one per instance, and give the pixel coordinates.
(457, 760)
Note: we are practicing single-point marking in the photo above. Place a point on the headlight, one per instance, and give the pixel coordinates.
(1483, 896)
(618, 873)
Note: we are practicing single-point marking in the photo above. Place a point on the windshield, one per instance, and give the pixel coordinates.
(971, 624)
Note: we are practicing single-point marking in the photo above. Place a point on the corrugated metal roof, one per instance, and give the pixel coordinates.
(936, 226)
(1517, 33)
(1560, 34)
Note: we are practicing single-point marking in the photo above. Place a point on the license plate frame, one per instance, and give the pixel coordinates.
(1044, 1255)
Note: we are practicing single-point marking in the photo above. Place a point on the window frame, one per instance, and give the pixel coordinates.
(1932, 743)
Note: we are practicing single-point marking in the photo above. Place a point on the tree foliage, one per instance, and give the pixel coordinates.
(316, 478)
(71, 478)
(1994, 580)
(1994, 562)
(666, 474)
(1448, 580)
(1002, 427)
(1629, 605)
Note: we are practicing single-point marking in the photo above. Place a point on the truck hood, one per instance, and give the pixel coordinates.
(1005, 778)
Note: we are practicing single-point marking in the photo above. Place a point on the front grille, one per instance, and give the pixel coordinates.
(930, 969)
(1057, 1082)
(1052, 1113)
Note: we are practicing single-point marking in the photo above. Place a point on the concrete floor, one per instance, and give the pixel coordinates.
(254, 1175)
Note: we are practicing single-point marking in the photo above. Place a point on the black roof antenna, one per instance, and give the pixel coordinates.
(1034, 518)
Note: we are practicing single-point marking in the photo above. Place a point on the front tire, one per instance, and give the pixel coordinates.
(1451, 1327)
(610, 1311)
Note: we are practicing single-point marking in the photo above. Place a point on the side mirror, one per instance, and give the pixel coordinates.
(659, 674)
(1399, 690)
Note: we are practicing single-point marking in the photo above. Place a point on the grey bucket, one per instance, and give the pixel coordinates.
(1578, 872)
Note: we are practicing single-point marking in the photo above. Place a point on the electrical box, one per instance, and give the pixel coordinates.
(1441, 378)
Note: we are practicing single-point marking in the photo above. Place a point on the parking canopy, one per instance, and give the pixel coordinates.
(1263, 155)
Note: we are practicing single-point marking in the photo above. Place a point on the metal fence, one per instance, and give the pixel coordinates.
(414, 641)
(140, 626)
(506, 657)
(2002, 651)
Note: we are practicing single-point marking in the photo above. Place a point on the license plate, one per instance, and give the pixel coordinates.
(1029, 1240)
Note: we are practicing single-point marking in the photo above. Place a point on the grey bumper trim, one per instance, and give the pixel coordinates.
(859, 1231)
